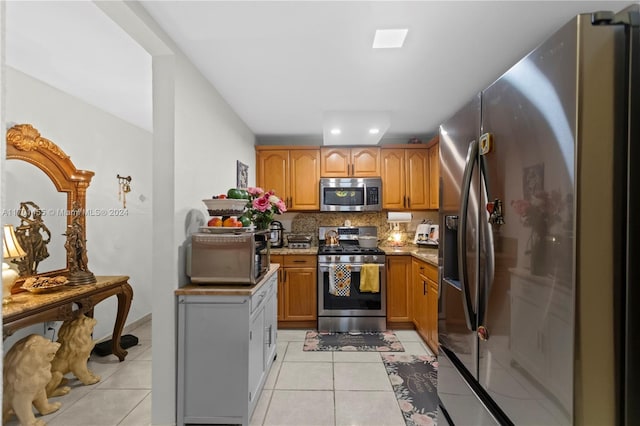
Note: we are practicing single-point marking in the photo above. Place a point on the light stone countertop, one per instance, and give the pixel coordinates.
(429, 255)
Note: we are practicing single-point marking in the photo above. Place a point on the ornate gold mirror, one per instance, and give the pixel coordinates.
(52, 219)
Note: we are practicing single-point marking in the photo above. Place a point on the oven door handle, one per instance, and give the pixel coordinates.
(325, 267)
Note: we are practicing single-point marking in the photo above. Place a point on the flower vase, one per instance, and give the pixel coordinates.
(539, 255)
(262, 224)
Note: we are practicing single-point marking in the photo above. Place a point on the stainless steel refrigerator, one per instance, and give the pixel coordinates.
(538, 240)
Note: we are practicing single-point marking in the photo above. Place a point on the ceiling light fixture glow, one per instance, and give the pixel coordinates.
(335, 131)
(386, 39)
(374, 131)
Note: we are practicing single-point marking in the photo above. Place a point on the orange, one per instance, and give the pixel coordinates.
(215, 221)
(231, 222)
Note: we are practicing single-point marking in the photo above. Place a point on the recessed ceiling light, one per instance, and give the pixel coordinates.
(374, 131)
(385, 39)
(335, 131)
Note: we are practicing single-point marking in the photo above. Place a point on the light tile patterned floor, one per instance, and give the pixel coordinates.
(123, 395)
(303, 388)
(330, 388)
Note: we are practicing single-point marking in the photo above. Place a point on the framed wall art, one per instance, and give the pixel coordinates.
(242, 179)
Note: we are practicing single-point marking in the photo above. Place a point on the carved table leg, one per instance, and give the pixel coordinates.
(124, 303)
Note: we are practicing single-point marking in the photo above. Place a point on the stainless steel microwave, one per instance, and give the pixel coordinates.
(351, 194)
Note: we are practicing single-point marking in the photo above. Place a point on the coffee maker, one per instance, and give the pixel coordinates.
(277, 234)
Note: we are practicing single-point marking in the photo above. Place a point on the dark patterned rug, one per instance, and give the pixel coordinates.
(383, 341)
(414, 379)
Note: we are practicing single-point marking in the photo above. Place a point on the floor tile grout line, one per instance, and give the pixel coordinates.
(131, 411)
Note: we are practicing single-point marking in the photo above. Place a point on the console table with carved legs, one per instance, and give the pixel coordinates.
(68, 303)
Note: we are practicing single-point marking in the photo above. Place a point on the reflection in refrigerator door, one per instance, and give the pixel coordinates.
(521, 265)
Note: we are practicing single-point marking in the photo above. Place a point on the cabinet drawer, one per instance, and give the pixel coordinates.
(300, 261)
(261, 295)
(427, 270)
(431, 272)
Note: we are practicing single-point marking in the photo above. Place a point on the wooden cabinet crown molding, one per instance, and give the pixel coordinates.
(280, 147)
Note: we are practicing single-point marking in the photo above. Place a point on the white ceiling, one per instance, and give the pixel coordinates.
(74, 47)
(282, 65)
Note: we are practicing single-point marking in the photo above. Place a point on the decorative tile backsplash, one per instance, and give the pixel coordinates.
(308, 223)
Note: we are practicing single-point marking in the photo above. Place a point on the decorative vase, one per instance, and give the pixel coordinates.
(262, 223)
(542, 253)
(538, 256)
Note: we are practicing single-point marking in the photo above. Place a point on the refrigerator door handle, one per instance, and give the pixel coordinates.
(489, 248)
(472, 155)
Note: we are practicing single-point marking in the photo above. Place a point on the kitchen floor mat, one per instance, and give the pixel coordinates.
(414, 379)
(373, 341)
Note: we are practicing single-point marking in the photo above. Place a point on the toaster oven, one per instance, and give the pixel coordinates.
(239, 257)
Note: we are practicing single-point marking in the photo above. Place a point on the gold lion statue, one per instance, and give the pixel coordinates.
(76, 346)
(26, 372)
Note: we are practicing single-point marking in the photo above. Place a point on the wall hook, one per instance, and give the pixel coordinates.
(124, 187)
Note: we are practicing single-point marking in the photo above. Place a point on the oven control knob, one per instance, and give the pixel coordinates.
(352, 258)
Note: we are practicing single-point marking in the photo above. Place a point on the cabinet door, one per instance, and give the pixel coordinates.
(434, 176)
(432, 315)
(270, 329)
(399, 297)
(304, 167)
(300, 289)
(527, 332)
(416, 281)
(335, 162)
(273, 172)
(420, 305)
(256, 354)
(212, 331)
(392, 168)
(365, 162)
(279, 259)
(558, 333)
(417, 178)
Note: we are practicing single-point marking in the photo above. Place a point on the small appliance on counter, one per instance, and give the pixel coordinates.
(427, 234)
(229, 256)
(277, 234)
(299, 241)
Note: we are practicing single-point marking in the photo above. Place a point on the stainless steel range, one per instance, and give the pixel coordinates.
(351, 281)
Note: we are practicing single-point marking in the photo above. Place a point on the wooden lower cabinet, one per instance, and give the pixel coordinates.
(399, 295)
(297, 290)
(425, 302)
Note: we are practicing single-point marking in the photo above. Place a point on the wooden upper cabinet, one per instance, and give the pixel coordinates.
(393, 178)
(350, 162)
(405, 178)
(304, 182)
(365, 162)
(434, 176)
(272, 171)
(417, 175)
(294, 174)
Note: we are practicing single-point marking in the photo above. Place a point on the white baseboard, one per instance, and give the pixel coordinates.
(127, 328)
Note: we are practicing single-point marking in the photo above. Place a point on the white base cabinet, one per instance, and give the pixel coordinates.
(226, 345)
